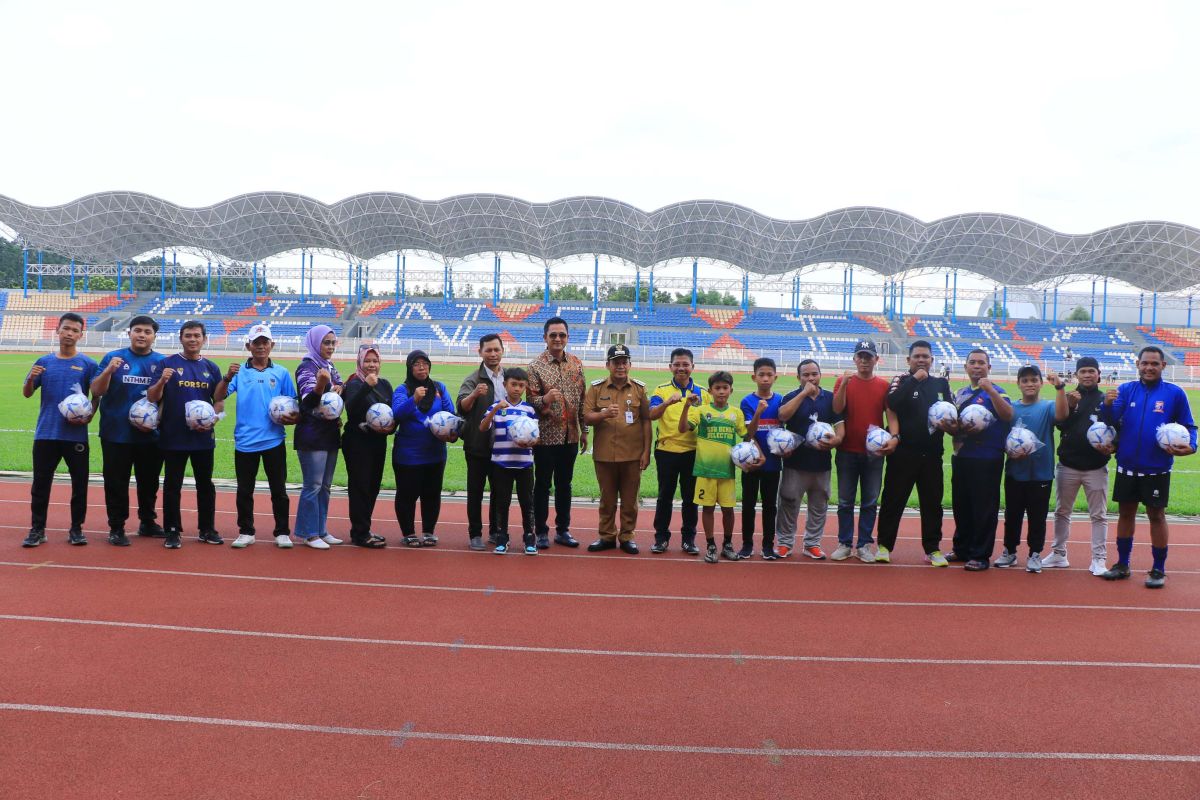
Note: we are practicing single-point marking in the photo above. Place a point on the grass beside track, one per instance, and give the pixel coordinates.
(18, 416)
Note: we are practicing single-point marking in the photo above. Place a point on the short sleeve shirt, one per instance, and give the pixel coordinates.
(255, 431)
(766, 423)
(62, 378)
(505, 452)
(127, 386)
(193, 380)
(990, 443)
(866, 401)
(670, 440)
(621, 438)
(717, 431)
(1039, 418)
(806, 458)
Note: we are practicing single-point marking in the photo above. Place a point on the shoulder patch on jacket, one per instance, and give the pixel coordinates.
(599, 382)
(637, 382)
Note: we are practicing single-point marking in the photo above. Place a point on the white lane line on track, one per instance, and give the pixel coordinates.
(412, 733)
(584, 651)
(494, 590)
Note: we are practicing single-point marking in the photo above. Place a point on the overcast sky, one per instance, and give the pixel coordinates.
(1075, 115)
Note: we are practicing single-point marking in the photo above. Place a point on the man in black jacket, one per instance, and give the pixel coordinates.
(476, 395)
(917, 460)
(1080, 464)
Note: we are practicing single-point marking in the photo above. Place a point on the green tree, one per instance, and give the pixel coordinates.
(998, 311)
(1079, 314)
(807, 303)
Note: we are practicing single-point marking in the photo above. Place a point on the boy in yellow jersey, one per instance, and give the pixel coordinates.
(718, 428)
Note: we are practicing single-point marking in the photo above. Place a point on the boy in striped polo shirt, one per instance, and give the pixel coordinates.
(511, 464)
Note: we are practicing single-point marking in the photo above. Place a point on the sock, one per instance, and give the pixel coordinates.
(1124, 548)
(1160, 558)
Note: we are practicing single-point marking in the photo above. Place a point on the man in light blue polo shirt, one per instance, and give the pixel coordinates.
(256, 437)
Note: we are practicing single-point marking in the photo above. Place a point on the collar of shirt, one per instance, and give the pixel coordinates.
(549, 358)
(691, 386)
(250, 364)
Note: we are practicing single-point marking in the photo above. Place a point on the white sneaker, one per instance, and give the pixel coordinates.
(865, 555)
(842, 552)
(1034, 563)
(1098, 566)
(316, 543)
(1056, 561)
(328, 539)
(1005, 559)
(243, 540)
(283, 540)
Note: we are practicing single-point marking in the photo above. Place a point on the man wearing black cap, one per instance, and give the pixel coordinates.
(617, 407)
(1081, 465)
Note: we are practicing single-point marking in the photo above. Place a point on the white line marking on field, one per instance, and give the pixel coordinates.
(632, 747)
(737, 657)
(600, 595)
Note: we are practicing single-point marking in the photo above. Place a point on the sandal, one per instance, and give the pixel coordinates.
(373, 541)
(412, 541)
(429, 540)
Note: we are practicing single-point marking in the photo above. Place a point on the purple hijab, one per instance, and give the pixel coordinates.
(312, 342)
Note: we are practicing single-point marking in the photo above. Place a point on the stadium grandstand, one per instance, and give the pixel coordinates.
(1026, 264)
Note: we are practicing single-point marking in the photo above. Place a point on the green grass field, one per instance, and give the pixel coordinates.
(18, 416)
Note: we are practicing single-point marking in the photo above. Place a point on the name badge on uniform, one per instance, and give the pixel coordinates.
(628, 417)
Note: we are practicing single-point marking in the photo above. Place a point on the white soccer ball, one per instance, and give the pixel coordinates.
(1021, 442)
(877, 439)
(330, 407)
(1101, 434)
(199, 415)
(1172, 434)
(143, 415)
(818, 432)
(75, 407)
(782, 442)
(975, 418)
(379, 417)
(443, 424)
(281, 407)
(744, 455)
(523, 431)
(942, 415)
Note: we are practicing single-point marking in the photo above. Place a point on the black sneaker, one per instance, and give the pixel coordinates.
(658, 547)
(1156, 579)
(543, 542)
(36, 536)
(211, 537)
(117, 537)
(745, 552)
(173, 540)
(770, 555)
(75, 536)
(1117, 572)
(710, 555)
(729, 554)
(152, 529)
(690, 548)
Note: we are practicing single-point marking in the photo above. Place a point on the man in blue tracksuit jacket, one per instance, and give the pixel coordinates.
(1138, 409)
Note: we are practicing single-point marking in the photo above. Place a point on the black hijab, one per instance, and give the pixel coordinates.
(412, 383)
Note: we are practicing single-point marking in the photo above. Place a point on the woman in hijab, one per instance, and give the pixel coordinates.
(365, 449)
(419, 457)
(316, 439)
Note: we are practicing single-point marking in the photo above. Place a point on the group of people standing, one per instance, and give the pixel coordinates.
(687, 430)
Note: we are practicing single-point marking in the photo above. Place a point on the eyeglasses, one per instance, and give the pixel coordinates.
(556, 335)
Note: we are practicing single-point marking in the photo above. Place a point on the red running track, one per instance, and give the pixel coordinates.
(141, 672)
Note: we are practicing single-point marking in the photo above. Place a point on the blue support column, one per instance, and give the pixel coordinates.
(403, 277)
(1189, 318)
(496, 281)
(174, 272)
(946, 297)
(1104, 306)
(118, 281)
(366, 268)
(1141, 307)
(349, 282)
(219, 271)
(1004, 304)
(208, 284)
(1092, 312)
(254, 281)
(695, 276)
(546, 289)
(850, 296)
(651, 298)
(1043, 304)
(312, 260)
(162, 277)
(25, 273)
(1154, 313)
(745, 292)
(901, 307)
(1054, 322)
(39, 270)
(954, 305)
(72, 279)
(595, 283)
(87, 272)
(303, 255)
(637, 290)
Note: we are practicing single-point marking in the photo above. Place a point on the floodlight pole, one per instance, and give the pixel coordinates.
(25, 273)
(596, 283)
(72, 279)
